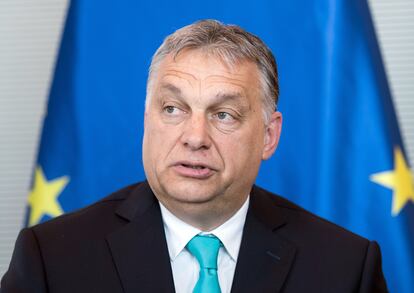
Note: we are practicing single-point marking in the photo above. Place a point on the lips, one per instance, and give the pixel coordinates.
(195, 170)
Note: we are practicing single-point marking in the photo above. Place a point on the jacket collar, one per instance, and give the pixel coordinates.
(139, 248)
(141, 256)
(265, 257)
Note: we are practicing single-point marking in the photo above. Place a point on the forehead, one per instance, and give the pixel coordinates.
(199, 68)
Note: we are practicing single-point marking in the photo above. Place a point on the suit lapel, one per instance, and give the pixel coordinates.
(139, 248)
(265, 258)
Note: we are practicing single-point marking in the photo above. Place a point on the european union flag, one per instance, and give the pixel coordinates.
(340, 155)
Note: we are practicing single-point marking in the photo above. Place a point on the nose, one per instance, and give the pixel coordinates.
(196, 133)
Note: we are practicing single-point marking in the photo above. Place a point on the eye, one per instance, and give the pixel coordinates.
(224, 116)
(172, 110)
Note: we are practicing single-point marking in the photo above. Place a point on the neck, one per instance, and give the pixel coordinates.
(202, 216)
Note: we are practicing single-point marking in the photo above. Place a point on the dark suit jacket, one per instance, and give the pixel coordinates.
(118, 245)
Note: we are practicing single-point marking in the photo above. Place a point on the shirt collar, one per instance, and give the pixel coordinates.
(178, 233)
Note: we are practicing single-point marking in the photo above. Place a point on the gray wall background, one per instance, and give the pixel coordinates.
(29, 38)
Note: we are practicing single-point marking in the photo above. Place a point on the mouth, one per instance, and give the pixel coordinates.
(193, 170)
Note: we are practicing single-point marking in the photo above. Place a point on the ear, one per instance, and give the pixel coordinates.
(272, 135)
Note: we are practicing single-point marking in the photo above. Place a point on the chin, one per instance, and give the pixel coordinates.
(191, 192)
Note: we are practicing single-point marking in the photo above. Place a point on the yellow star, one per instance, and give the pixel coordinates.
(43, 197)
(400, 180)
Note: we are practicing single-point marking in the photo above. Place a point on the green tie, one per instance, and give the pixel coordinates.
(205, 249)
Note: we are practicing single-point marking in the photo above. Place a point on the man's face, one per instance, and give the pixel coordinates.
(204, 135)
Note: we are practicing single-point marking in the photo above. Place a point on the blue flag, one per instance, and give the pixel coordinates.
(340, 155)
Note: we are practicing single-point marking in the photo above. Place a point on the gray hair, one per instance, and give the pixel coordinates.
(231, 44)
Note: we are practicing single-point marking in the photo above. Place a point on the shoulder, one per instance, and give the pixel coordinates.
(77, 242)
(321, 247)
(96, 219)
(303, 226)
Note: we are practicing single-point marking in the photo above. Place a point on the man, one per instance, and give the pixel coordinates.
(199, 223)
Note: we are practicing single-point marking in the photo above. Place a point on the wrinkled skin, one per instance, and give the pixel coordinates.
(205, 136)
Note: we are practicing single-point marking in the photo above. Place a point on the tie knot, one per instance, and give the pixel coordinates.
(205, 249)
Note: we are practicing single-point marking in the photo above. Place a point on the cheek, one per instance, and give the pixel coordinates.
(159, 139)
(240, 151)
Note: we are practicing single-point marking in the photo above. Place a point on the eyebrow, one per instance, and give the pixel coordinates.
(168, 86)
(219, 98)
(231, 96)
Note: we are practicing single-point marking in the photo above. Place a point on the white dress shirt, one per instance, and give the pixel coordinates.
(185, 267)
